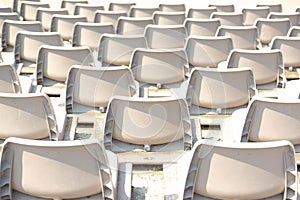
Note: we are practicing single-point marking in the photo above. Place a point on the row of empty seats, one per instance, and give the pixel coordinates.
(41, 169)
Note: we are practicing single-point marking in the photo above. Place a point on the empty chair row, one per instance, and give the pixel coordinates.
(172, 37)
(99, 169)
(202, 83)
(89, 33)
(65, 23)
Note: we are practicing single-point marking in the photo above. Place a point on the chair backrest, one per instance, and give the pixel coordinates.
(218, 90)
(168, 18)
(269, 28)
(243, 37)
(229, 18)
(120, 6)
(202, 13)
(201, 27)
(273, 7)
(294, 31)
(7, 16)
(38, 168)
(88, 34)
(44, 15)
(102, 16)
(16, 4)
(115, 50)
(267, 66)
(29, 43)
(132, 26)
(268, 119)
(136, 11)
(12, 27)
(172, 7)
(9, 81)
(159, 66)
(5, 9)
(270, 165)
(54, 62)
(87, 10)
(29, 9)
(70, 5)
(205, 51)
(165, 37)
(27, 116)
(252, 14)
(64, 24)
(290, 49)
(223, 7)
(92, 88)
(294, 17)
(152, 122)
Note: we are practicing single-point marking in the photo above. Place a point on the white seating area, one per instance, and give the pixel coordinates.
(149, 99)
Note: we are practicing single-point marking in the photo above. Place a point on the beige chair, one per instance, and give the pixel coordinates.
(252, 14)
(28, 116)
(136, 11)
(12, 27)
(172, 7)
(44, 15)
(229, 18)
(205, 51)
(70, 5)
(160, 68)
(132, 25)
(267, 67)
(113, 6)
(88, 34)
(273, 7)
(102, 16)
(269, 119)
(53, 64)
(64, 24)
(28, 45)
(223, 7)
(201, 27)
(59, 170)
(243, 37)
(290, 49)
(116, 50)
(16, 5)
(161, 124)
(269, 28)
(294, 17)
(168, 18)
(7, 16)
(9, 80)
(87, 10)
(201, 13)
(90, 89)
(165, 37)
(219, 170)
(5, 9)
(29, 9)
(294, 31)
(214, 94)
